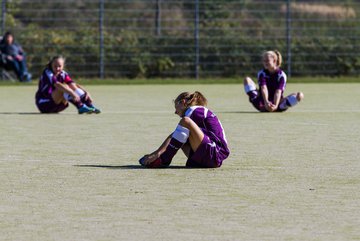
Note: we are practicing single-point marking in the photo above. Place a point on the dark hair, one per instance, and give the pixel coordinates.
(6, 34)
(53, 59)
(195, 98)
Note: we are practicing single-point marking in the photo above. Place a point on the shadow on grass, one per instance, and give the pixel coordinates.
(239, 112)
(131, 167)
(20, 113)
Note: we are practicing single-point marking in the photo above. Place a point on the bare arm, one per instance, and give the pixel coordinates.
(156, 154)
(79, 86)
(66, 89)
(277, 97)
(265, 95)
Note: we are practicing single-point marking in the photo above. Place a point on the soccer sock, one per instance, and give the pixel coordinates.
(252, 94)
(290, 101)
(84, 97)
(68, 97)
(178, 138)
(250, 90)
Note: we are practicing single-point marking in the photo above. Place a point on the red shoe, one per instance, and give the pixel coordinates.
(155, 164)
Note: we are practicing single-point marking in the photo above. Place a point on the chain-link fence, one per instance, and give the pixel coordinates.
(188, 38)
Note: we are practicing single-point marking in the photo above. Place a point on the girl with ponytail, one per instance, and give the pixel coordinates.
(199, 134)
(57, 88)
(272, 82)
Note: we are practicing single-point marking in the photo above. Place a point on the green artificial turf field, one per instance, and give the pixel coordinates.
(290, 176)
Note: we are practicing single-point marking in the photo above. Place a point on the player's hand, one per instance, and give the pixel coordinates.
(76, 98)
(273, 107)
(146, 161)
(149, 159)
(19, 57)
(268, 106)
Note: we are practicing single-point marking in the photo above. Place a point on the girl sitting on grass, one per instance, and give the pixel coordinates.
(56, 89)
(199, 134)
(272, 81)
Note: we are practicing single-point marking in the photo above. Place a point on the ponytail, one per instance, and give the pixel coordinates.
(195, 98)
(278, 58)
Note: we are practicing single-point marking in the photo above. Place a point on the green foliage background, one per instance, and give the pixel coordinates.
(230, 41)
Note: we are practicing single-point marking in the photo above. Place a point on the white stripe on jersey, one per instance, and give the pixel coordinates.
(191, 109)
(283, 75)
(261, 72)
(49, 74)
(43, 101)
(43, 88)
(223, 132)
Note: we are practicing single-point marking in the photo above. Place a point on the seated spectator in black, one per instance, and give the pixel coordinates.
(14, 57)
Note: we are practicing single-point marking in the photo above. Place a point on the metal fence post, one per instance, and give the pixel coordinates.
(158, 18)
(288, 36)
(196, 36)
(3, 16)
(101, 37)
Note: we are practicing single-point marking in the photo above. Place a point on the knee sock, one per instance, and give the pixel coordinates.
(68, 97)
(178, 138)
(250, 90)
(252, 94)
(290, 101)
(84, 97)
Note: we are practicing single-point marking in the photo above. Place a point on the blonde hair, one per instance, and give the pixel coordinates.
(276, 55)
(53, 59)
(195, 98)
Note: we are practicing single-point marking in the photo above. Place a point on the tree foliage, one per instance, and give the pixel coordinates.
(231, 42)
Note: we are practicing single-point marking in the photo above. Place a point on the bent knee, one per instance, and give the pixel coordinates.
(300, 96)
(186, 122)
(247, 80)
(249, 85)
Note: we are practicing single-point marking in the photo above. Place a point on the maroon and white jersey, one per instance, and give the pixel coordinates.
(47, 83)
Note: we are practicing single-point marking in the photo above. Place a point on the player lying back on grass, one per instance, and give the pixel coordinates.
(199, 134)
(272, 82)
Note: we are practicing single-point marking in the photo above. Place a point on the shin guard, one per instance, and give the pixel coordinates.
(178, 138)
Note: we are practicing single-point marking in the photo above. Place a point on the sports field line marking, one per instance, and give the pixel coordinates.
(235, 112)
(219, 111)
(118, 112)
(329, 111)
(353, 168)
(135, 112)
(308, 123)
(299, 123)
